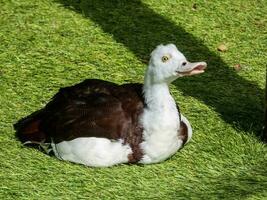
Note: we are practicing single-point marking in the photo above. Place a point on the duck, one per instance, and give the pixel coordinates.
(101, 124)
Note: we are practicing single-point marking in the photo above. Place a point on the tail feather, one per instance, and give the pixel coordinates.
(28, 129)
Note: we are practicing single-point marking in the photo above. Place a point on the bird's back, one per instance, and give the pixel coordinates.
(93, 108)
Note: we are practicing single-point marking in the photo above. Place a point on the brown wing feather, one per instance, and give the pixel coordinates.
(183, 132)
(134, 105)
(94, 108)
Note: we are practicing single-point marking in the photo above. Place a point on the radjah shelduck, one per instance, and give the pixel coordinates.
(100, 124)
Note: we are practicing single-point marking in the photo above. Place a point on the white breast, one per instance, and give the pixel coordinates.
(160, 133)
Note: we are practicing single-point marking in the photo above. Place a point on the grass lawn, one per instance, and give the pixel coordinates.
(46, 44)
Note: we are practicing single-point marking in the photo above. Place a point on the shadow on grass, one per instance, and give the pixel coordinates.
(248, 183)
(243, 185)
(140, 29)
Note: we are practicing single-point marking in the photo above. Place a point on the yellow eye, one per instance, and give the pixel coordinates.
(165, 58)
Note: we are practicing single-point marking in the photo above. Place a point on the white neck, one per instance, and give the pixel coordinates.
(160, 121)
(157, 95)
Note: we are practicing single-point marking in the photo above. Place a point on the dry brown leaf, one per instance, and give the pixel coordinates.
(237, 67)
(222, 48)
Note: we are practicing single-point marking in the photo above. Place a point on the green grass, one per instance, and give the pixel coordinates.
(45, 45)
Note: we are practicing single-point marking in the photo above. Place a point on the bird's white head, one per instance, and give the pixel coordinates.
(167, 63)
